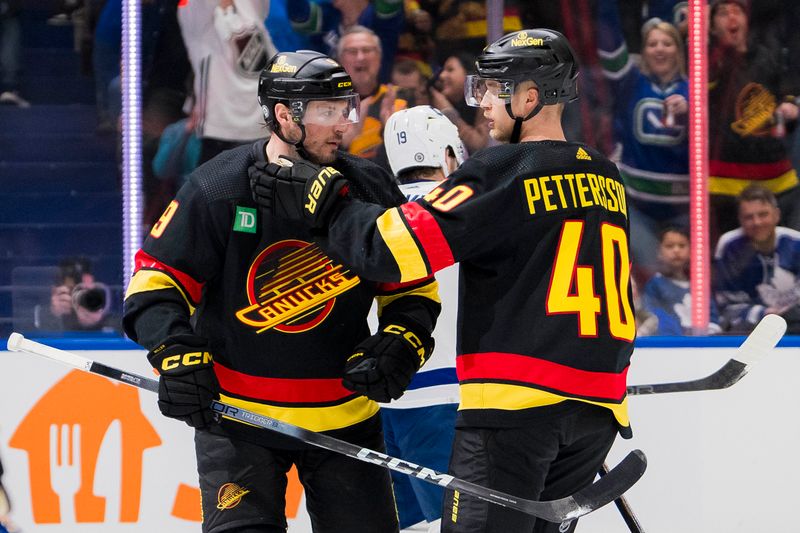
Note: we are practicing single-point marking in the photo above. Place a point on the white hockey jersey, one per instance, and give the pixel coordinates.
(228, 48)
(436, 382)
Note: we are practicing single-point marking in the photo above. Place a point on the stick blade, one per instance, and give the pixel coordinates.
(614, 484)
(604, 491)
(764, 337)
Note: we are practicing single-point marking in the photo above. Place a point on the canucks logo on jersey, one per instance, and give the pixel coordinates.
(651, 124)
(292, 286)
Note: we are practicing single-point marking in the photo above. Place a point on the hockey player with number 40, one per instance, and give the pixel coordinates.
(423, 148)
(546, 327)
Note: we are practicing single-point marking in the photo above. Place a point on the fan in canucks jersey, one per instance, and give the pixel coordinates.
(650, 112)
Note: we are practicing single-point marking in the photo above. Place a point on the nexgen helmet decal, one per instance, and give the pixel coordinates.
(292, 287)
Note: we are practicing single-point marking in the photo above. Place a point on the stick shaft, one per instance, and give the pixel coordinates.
(568, 508)
(624, 508)
(764, 337)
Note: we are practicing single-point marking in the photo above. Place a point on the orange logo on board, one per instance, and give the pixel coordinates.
(292, 287)
(63, 435)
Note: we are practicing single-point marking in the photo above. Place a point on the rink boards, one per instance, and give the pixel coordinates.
(721, 461)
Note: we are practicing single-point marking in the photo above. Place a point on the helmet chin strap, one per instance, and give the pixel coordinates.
(298, 145)
(515, 133)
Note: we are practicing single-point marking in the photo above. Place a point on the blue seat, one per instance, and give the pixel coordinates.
(48, 119)
(54, 177)
(62, 239)
(55, 147)
(60, 207)
(73, 89)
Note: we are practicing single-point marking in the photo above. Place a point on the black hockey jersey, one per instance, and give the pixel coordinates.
(280, 315)
(743, 94)
(545, 311)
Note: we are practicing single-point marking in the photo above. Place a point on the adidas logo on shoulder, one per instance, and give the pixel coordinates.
(583, 154)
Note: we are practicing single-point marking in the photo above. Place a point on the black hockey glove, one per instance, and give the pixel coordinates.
(188, 383)
(297, 190)
(382, 366)
(276, 192)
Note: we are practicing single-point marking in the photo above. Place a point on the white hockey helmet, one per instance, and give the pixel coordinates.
(419, 137)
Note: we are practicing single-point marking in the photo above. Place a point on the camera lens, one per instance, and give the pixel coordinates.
(92, 299)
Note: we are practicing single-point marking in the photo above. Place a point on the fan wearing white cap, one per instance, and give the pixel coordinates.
(423, 148)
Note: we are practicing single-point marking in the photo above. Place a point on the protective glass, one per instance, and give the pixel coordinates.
(499, 91)
(332, 112)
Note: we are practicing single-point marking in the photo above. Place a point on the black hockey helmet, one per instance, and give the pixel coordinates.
(543, 56)
(539, 55)
(295, 78)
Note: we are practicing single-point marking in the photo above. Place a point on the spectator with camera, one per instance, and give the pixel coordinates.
(77, 301)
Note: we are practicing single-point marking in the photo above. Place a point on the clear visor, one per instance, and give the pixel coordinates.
(497, 90)
(332, 112)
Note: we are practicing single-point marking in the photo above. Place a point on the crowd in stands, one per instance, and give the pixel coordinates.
(201, 60)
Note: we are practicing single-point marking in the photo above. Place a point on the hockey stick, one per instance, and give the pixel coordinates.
(624, 508)
(762, 339)
(605, 490)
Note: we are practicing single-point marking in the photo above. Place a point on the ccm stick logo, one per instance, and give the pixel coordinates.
(369, 455)
(405, 467)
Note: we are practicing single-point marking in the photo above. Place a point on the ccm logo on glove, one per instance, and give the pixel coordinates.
(188, 359)
(408, 335)
(188, 384)
(317, 186)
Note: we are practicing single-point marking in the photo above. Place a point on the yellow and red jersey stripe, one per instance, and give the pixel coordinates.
(732, 178)
(316, 404)
(150, 274)
(415, 240)
(507, 381)
(391, 292)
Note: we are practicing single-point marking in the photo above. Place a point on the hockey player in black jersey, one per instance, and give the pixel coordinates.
(236, 303)
(540, 227)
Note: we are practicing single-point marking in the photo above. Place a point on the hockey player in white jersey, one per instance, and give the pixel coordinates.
(423, 148)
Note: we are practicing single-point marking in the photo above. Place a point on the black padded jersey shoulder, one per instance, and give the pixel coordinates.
(225, 176)
(368, 181)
